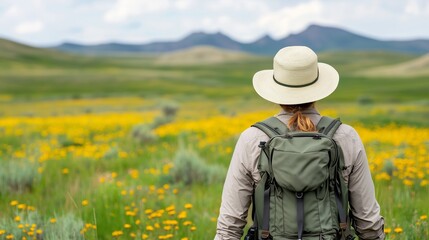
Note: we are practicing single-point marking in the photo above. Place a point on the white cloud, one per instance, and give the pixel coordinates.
(12, 11)
(183, 4)
(124, 10)
(417, 8)
(243, 20)
(412, 8)
(238, 6)
(29, 27)
(289, 19)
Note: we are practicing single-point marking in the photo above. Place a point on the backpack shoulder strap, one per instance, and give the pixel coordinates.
(328, 126)
(272, 127)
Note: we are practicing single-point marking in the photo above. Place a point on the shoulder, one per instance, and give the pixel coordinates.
(252, 135)
(351, 144)
(346, 132)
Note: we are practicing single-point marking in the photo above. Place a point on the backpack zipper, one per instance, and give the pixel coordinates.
(315, 136)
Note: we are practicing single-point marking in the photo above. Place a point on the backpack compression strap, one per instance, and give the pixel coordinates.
(272, 127)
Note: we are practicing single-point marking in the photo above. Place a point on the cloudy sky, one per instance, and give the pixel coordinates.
(50, 22)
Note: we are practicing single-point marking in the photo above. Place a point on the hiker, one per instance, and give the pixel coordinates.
(296, 82)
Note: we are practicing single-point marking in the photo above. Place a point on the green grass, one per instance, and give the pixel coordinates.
(32, 77)
(40, 74)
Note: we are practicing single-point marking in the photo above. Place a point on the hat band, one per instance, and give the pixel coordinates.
(297, 86)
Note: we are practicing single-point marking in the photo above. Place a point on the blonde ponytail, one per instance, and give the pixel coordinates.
(298, 121)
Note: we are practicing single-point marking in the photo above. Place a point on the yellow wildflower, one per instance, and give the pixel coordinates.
(398, 230)
(182, 215)
(85, 202)
(186, 223)
(14, 203)
(408, 182)
(22, 206)
(188, 206)
(101, 179)
(148, 211)
(31, 208)
(171, 213)
(117, 233)
(423, 217)
(130, 213)
(149, 228)
(134, 173)
(170, 208)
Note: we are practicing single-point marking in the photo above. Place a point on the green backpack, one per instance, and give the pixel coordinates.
(302, 194)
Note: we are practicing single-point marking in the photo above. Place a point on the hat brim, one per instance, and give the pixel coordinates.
(267, 88)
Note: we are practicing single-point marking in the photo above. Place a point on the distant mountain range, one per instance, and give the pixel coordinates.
(319, 38)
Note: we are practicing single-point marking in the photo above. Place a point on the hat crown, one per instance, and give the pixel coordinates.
(295, 66)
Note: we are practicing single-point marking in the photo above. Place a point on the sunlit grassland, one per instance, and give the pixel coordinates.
(96, 170)
(67, 123)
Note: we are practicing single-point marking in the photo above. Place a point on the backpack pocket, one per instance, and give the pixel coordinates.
(298, 171)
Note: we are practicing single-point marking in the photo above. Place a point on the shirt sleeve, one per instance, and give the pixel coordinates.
(367, 221)
(238, 188)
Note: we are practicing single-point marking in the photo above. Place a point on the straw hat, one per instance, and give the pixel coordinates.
(297, 77)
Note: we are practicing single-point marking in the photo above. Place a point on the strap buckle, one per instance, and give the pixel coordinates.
(265, 234)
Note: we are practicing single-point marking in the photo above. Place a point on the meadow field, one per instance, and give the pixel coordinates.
(129, 147)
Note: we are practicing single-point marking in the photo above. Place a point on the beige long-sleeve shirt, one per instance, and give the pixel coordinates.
(243, 175)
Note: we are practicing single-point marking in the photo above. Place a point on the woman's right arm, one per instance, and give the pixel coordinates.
(238, 188)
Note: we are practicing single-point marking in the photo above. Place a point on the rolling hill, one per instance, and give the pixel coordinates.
(202, 55)
(11, 49)
(16, 53)
(196, 73)
(415, 67)
(319, 38)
